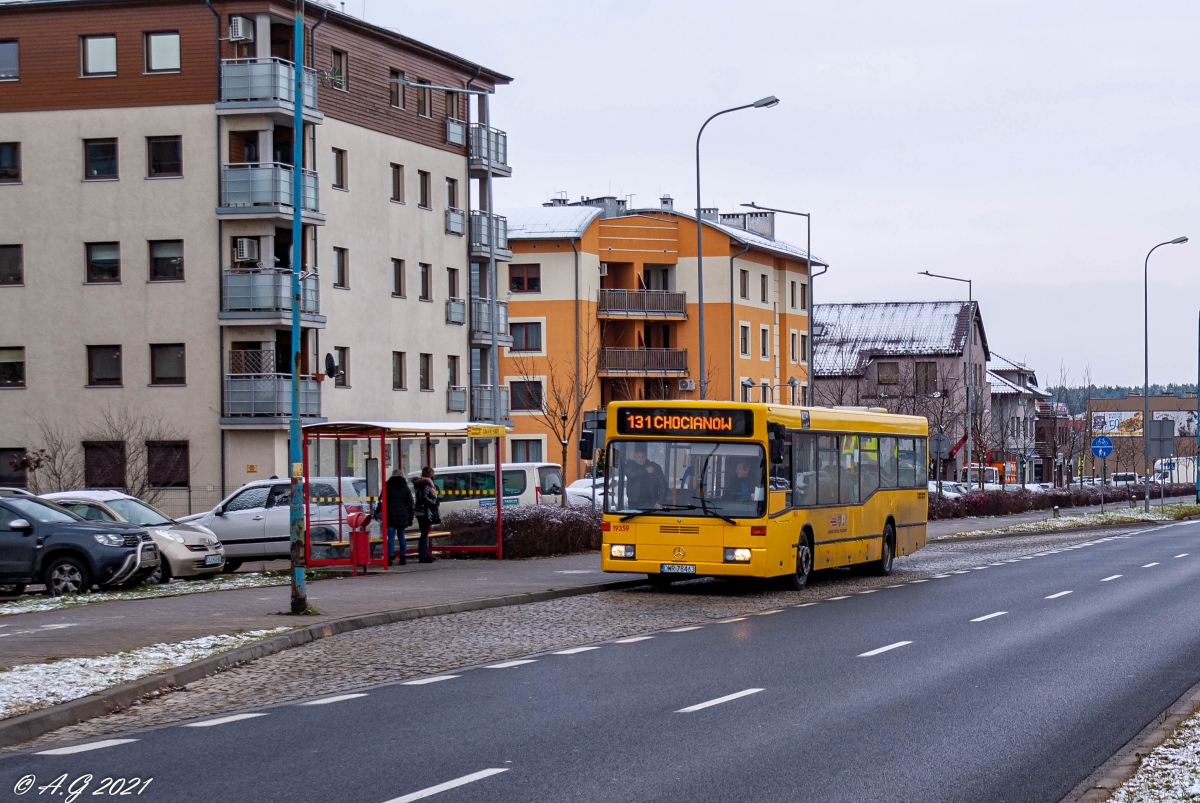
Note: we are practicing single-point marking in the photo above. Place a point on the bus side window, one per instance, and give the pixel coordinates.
(888, 470)
(922, 464)
(849, 474)
(869, 465)
(804, 464)
(908, 463)
(827, 469)
(781, 472)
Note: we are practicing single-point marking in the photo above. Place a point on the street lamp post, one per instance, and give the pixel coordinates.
(299, 603)
(1146, 345)
(970, 354)
(762, 103)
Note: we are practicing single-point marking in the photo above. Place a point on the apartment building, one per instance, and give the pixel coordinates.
(602, 301)
(146, 176)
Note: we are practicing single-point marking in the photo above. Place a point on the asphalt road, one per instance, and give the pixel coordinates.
(1008, 682)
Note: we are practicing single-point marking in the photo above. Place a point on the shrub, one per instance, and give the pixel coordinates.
(532, 531)
(1003, 503)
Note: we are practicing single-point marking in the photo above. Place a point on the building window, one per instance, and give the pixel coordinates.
(103, 263)
(452, 282)
(745, 391)
(399, 370)
(341, 267)
(339, 169)
(454, 453)
(423, 190)
(452, 193)
(99, 55)
(452, 105)
(525, 278)
(398, 279)
(793, 347)
(396, 89)
(104, 366)
(452, 365)
(166, 260)
(168, 464)
(765, 392)
(744, 340)
(12, 367)
(339, 73)
(526, 395)
(793, 296)
(804, 296)
(526, 336)
(526, 451)
(10, 69)
(762, 287)
(12, 468)
(424, 99)
(927, 382)
(167, 364)
(162, 52)
(426, 372)
(803, 348)
(104, 464)
(164, 156)
(764, 342)
(426, 281)
(398, 183)
(888, 373)
(12, 264)
(99, 159)
(342, 380)
(744, 284)
(10, 163)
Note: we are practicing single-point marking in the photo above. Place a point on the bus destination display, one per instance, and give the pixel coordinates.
(728, 423)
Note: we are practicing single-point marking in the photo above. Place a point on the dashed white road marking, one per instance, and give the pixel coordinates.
(423, 681)
(831, 599)
(575, 650)
(443, 787)
(1182, 555)
(917, 581)
(884, 649)
(805, 605)
(1012, 561)
(1148, 565)
(996, 564)
(940, 576)
(1110, 577)
(868, 591)
(989, 616)
(1027, 557)
(731, 621)
(1059, 594)
(963, 571)
(338, 699)
(718, 701)
(768, 613)
(978, 568)
(208, 723)
(632, 639)
(83, 748)
(509, 664)
(898, 585)
(685, 629)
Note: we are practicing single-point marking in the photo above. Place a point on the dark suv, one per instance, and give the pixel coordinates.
(41, 542)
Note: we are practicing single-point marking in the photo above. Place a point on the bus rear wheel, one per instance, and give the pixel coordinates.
(883, 566)
(804, 564)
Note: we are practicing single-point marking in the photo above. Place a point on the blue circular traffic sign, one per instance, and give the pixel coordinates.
(1102, 446)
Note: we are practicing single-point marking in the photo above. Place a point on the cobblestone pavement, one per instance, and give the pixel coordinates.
(382, 655)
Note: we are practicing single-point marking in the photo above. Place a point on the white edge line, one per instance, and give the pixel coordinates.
(508, 664)
(423, 681)
(718, 701)
(884, 649)
(632, 640)
(83, 748)
(686, 629)
(989, 616)
(338, 699)
(208, 723)
(1112, 577)
(448, 785)
(833, 599)
(1182, 555)
(575, 650)
(1148, 565)
(1059, 594)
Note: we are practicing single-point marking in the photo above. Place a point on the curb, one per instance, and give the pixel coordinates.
(29, 726)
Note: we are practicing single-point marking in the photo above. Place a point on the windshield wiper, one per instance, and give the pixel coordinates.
(645, 510)
(703, 497)
(707, 512)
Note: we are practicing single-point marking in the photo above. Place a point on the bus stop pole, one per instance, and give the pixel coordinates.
(499, 504)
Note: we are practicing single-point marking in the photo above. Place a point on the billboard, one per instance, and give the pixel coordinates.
(1117, 423)
(1185, 421)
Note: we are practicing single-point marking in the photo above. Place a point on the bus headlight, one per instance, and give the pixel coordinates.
(737, 555)
(623, 551)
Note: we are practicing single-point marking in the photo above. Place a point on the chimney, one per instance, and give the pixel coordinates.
(610, 206)
(559, 199)
(709, 213)
(667, 203)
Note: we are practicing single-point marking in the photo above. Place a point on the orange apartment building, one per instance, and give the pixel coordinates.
(602, 301)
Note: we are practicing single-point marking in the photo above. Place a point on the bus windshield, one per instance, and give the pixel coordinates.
(685, 478)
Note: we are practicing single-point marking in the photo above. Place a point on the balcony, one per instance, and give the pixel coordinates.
(642, 304)
(481, 403)
(643, 362)
(456, 132)
(456, 311)
(456, 399)
(265, 85)
(481, 323)
(264, 189)
(456, 221)
(255, 390)
(488, 144)
(262, 297)
(488, 231)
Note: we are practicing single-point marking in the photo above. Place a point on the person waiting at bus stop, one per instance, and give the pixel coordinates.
(399, 513)
(646, 485)
(427, 511)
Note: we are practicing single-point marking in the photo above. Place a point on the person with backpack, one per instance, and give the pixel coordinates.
(426, 510)
(399, 514)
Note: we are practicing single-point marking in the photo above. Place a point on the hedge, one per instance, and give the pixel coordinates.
(531, 531)
(1003, 503)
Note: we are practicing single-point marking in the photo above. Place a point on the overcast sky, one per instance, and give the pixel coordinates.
(1039, 148)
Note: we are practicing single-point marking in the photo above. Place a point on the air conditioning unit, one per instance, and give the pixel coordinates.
(241, 29)
(603, 268)
(245, 249)
(687, 384)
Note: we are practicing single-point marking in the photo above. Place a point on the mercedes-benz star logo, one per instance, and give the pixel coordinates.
(679, 553)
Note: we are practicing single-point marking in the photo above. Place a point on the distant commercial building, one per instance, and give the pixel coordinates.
(1121, 420)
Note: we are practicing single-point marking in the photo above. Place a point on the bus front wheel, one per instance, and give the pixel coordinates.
(804, 563)
(883, 566)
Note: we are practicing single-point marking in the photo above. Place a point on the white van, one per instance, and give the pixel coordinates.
(1124, 478)
(462, 487)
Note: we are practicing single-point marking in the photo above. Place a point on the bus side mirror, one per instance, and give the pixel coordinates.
(587, 444)
(776, 449)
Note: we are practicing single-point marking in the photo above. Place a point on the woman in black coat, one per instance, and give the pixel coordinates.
(399, 513)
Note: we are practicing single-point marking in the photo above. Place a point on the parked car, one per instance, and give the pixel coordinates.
(1124, 478)
(41, 542)
(15, 492)
(185, 550)
(586, 492)
(950, 490)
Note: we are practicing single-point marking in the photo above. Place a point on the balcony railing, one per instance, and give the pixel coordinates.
(643, 361)
(456, 399)
(456, 221)
(264, 80)
(489, 144)
(456, 132)
(456, 310)
(481, 319)
(643, 303)
(481, 403)
(261, 290)
(247, 184)
(269, 395)
(484, 233)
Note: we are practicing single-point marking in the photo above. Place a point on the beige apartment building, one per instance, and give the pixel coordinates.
(146, 187)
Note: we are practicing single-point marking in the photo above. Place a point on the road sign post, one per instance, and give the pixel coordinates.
(1102, 447)
(939, 447)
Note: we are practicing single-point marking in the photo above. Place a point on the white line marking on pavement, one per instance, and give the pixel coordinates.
(1027, 557)
(448, 785)
(1059, 594)
(869, 591)
(1012, 561)
(576, 650)
(989, 616)
(995, 564)
(423, 681)
(83, 748)
(831, 599)
(575, 571)
(978, 568)
(1110, 577)
(768, 613)
(731, 621)
(884, 649)
(337, 699)
(963, 571)
(940, 576)
(686, 629)
(804, 605)
(898, 585)
(917, 581)
(208, 723)
(1148, 565)
(718, 701)
(508, 664)
(1182, 555)
(632, 640)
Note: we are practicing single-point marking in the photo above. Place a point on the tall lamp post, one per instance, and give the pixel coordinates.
(970, 354)
(763, 103)
(811, 303)
(1146, 345)
(295, 460)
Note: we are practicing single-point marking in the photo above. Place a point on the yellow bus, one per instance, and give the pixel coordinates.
(758, 490)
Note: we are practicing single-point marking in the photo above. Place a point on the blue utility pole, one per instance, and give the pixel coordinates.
(296, 510)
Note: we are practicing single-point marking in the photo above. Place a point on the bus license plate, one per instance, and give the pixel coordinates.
(676, 568)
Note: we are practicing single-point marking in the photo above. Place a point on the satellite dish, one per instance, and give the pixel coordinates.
(331, 367)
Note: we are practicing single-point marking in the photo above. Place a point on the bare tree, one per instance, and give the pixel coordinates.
(55, 465)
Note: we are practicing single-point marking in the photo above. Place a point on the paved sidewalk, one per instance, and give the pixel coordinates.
(945, 527)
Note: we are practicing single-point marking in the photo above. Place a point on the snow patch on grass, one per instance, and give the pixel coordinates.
(33, 686)
(221, 582)
(1123, 515)
(1170, 773)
